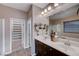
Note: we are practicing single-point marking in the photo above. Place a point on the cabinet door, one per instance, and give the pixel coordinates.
(54, 52)
(45, 50)
(50, 51)
(41, 49)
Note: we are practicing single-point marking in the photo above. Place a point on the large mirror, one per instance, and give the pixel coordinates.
(64, 23)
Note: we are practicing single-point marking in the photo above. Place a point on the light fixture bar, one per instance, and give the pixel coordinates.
(56, 4)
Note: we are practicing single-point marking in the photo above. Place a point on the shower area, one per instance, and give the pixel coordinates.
(18, 37)
(13, 36)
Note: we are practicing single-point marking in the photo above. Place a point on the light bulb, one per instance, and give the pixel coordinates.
(45, 10)
(42, 13)
(49, 8)
(56, 4)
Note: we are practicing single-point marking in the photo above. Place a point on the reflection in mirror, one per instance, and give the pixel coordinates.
(55, 29)
(58, 20)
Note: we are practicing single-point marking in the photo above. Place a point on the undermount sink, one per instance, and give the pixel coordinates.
(68, 49)
(65, 48)
(61, 44)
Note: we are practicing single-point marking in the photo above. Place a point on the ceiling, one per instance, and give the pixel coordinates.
(24, 6)
(41, 5)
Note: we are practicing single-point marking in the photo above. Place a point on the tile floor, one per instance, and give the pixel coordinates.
(22, 52)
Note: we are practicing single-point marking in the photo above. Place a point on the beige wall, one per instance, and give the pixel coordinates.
(60, 21)
(29, 13)
(10, 12)
(6, 13)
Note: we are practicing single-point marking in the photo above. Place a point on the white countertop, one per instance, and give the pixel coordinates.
(71, 50)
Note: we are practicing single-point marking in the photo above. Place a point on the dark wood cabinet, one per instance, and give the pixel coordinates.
(42, 49)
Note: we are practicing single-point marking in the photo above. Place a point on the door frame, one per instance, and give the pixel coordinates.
(29, 23)
(3, 36)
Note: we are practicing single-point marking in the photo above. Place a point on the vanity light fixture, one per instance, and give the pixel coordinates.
(49, 8)
(42, 12)
(45, 10)
(56, 4)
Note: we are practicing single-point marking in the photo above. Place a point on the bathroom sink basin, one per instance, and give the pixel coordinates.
(72, 50)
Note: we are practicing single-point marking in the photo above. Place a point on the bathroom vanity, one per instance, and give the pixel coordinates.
(46, 47)
(42, 49)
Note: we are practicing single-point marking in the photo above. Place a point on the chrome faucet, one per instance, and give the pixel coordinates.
(67, 43)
